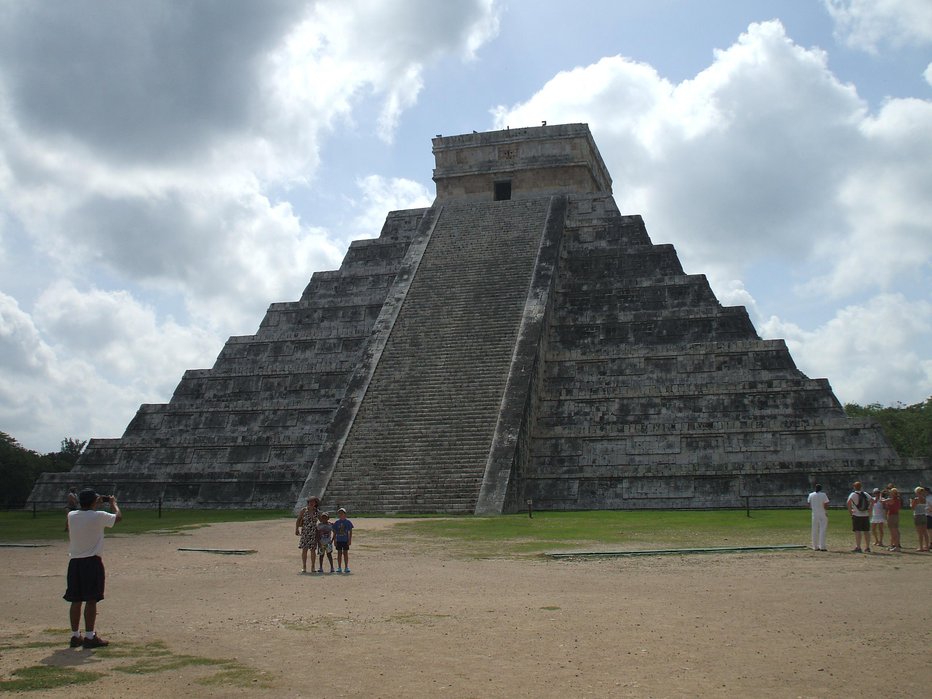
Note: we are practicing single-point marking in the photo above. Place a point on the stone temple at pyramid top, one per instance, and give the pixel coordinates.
(519, 163)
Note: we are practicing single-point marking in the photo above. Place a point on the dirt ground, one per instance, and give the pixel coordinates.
(413, 620)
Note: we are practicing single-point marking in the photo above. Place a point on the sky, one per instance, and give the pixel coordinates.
(169, 169)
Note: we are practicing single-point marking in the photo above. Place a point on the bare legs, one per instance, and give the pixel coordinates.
(923, 533)
(329, 558)
(90, 615)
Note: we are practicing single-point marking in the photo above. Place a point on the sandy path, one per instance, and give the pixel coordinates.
(411, 623)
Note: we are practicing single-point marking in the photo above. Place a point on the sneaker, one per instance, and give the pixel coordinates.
(76, 642)
(96, 642)
(856, 549)
(346, 571)
(339, 570)
(867, 550)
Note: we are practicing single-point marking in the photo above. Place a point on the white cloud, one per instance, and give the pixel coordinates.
(885, 204)
(868, 351)
(734, 293)
(140, 145)
(48, 392)
(23, 351)
(124, 336)
(343, 49)
(381, 195)
(865, 24)
(738, 163)
(764, 161)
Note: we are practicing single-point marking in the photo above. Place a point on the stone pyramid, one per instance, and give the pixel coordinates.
(518, 340)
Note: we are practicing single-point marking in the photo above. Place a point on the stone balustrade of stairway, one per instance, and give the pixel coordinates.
(422, 435)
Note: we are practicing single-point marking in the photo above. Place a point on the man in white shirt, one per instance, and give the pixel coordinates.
(86, 569)
(859, 507)
(818, 503)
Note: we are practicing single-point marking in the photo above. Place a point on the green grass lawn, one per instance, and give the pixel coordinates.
(19, 525)
(508, 535)
(612, 530)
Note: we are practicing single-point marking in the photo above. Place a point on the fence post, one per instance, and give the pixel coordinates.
(747, 504)
(160, 507)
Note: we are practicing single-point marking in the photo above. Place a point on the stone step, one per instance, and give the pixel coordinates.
(435, 395)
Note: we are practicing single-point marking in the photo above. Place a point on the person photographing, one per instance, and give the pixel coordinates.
(86, 568)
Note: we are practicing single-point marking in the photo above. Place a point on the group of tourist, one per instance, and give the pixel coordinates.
(85, 524)
(319, 535)
(871, 515)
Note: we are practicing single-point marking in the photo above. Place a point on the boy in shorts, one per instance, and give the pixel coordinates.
(324, 541)
(343, 537)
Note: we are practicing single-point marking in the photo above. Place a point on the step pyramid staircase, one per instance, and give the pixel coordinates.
(519, 340)
(421, 439)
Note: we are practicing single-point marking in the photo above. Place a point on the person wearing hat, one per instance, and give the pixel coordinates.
(86, 573)
(305, 526)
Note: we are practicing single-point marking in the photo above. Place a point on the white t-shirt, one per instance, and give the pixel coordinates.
(86, 532)
(853, 499)
(817, 502)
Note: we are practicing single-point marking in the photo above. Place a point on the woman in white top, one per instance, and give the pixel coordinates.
(919, 505)
(878, 516)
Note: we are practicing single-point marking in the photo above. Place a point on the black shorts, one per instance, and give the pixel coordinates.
(342, 545)
(860, 524)
(85, 580)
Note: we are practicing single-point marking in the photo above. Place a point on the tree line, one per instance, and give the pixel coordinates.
(20, 467)
(907, 427)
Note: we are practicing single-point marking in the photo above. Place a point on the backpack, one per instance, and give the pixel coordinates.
(863, 502)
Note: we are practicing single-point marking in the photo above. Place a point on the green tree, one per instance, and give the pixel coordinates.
(71, 447)
(20, 467)
(907, 427)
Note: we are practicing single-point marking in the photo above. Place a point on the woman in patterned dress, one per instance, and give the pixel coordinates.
(305, 526)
